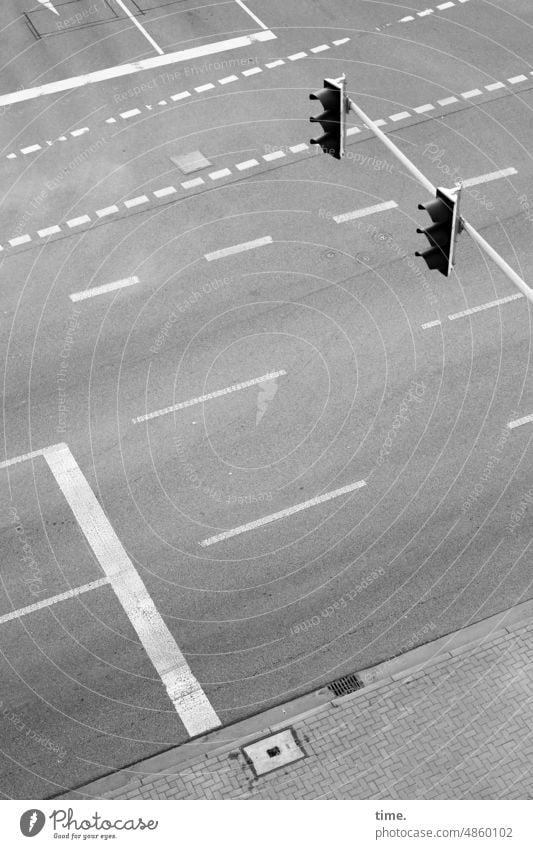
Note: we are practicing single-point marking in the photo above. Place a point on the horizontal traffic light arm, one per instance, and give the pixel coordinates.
(484, 245)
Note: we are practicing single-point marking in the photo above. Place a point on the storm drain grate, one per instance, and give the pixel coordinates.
(346, 684)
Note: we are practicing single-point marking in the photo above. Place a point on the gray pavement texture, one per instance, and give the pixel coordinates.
(450, 720)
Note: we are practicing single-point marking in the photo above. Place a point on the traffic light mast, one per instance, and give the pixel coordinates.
(333, 119)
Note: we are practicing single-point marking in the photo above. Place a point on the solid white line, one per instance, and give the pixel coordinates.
(399, 116)
(77, 222)
(248, 164)
(21, 458)
(20, 240)
(185, 692)
(473, 93)
(134, 67)
(254, 17)
(49, 231)
(139, 26)
(202, 398)
(487, 306)
(216, 175)
(296, 56)
(447, 100)
(161, 193)
(431, 324)
(190, 184)
(226, 80)
(487, 178)
(31, 149)
(136, 201)
(236, 249)
(47, 602)
(100, 290)
(520, 422)
(276, 154)
(108, 210)
(250, 71)
(494, 86)
(289, 511)
(425, 108)
(368, 210)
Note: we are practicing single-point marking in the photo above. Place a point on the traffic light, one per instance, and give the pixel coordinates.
(333, 100)
(444, 211)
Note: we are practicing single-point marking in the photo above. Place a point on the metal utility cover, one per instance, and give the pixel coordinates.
(189, 162)
(274, 752)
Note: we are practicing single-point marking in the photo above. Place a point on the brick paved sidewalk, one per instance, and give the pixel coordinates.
(450, 720)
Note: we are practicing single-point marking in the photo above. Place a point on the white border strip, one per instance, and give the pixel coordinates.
(520, 422)
(202, 398)
(369, 210)
(185, 692)
(48, 602)
(101, 290)
(320, 499)
(236, 249)
(487, 306)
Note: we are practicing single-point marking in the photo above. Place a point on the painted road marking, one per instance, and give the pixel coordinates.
(162, 193)
(226, 80)
(139, 26)
(298, 148)
(431, 324)
(445, 6)
(320, 48)
(248, 12)
(206, 87)
(474, 93)
(185, 692)
(181, 95)
(520, 79)
(251, 71)
(136, 201)
(130, 113)
(446, 101)
(101, 290)
(108, 210)
(360, 213)
(203, 398)
(424, 13)
(282, 514)
(399, 116)
(21, 458)
(426, 107)
(20, 240)
(275, 64)
(352, 131)
(487, 178)
(276, 154)
(296, 56)
(487, 306)
(236, 249)
(520, 422)
(134, 67)
(77, 222)
(48, 602)
(49, 231)
(494, 86)
(190, 184)
(31, 149)
(216, 175)
(242, 166)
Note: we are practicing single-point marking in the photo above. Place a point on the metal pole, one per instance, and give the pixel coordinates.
(484, 245)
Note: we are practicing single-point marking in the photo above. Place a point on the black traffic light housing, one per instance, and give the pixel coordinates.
(333, 120)
(444, 211)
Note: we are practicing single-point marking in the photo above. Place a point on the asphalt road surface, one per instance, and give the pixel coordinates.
(250, 442)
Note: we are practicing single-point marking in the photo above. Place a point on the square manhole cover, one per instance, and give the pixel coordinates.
(274, 752)
(189, 162)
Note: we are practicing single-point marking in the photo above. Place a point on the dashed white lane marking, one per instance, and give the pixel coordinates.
(487, 178)
(520, 79)
(130, 113)
(181, 95)
(101, 290)
(475, 92)
(201, 88)
(134, 67)
(226, 80)
(426, 107)
(77, 222)
(368, 210)
(446, 101)
(80, 132)
(108, 210)
(48, 602)
(237, 249)
(520, 422)
(185, 692)
(251, 71)
(162, 193)
(399, 116)
(407, 18)
(203, 398)
(494, 86)
(298, 148)
(340, 41)
(31, 149)
(242, 166)
(50, 231)
(320, 48)
(275, 63)
(296, 56)
(190, 184)
(140, 27)
(352, 131)
(135, 201)
(245, 8)
(276, 154)
(431, 324)
(20, 240)
(217, 175)
(424, 13)
(486, 306)
(380, 122)
(443, 6)
(21, 458)
(282, 514)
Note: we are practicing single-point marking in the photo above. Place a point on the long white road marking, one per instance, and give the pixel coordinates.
(134, 67)
(519, 422)
(139, 26)
(21, 458)
(248, 12)
(236, 249)
(320, 499)
(487, 306)
(48, 602)
(487, 178)
(431, 324)
(185, 692)
(368, 210)
(101, 290)
(202, 398)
